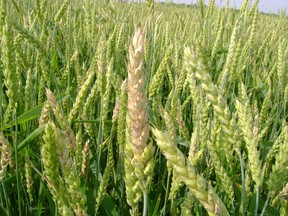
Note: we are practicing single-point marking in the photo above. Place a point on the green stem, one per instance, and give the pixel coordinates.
(265, 205)
(7, 200)
(243, 183)
(257, 201)
(69, 51)
(145, 198)
(16, 161)
(166, 194)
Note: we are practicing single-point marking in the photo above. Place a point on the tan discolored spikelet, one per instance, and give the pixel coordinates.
(85, 160)
(137, 128)
(62, 120)
(5, 155)
(44, 117)
(137, 113)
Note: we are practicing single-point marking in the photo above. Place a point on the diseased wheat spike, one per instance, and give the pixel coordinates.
(137, 116)
(28, 90)
(282, 195)
(5, 155)
(28, 176)
(85, 159)
(137, 129)
(44, 117)
(62, 120)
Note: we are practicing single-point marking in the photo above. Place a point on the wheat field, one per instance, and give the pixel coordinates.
(117, 108)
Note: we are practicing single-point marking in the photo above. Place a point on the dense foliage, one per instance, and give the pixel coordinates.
(114, 108)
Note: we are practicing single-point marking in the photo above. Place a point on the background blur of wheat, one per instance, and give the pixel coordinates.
(112, 108)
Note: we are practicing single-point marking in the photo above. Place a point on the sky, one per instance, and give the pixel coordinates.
(266, 6)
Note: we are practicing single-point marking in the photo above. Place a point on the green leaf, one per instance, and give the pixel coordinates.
(109, 206)
(30, 114)
(156, 208)
(30, 138)
(269, 210)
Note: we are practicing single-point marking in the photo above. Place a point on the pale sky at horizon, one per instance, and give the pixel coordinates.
(264, 5)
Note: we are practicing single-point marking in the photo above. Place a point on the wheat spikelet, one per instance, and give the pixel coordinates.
(194, 155)
(218, 38)
(105, 179)
(265, 107)
(137, 131)
(133, 191)
(121, 126)
(28, 176)
(68, 166)
(187, 204)
(196, 183)
(63, 122)
(221, 109)
(101, 60)
(107, 94)
(5, 155)
(246, 125)
(82, 93)
(85, 159)
(44, 117)
(31, 38)
(218, 166)
(230, 58)
(279, 170)
(182, 125)
(158, 76)
(245, 52)
(180, 81)
(282, 195)
(9, 70)
(28, 90)
(280, 66)
(61, 11)
(51, 170)
(168, 123)
(137, 114)
(3, 12)
(176, 185)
